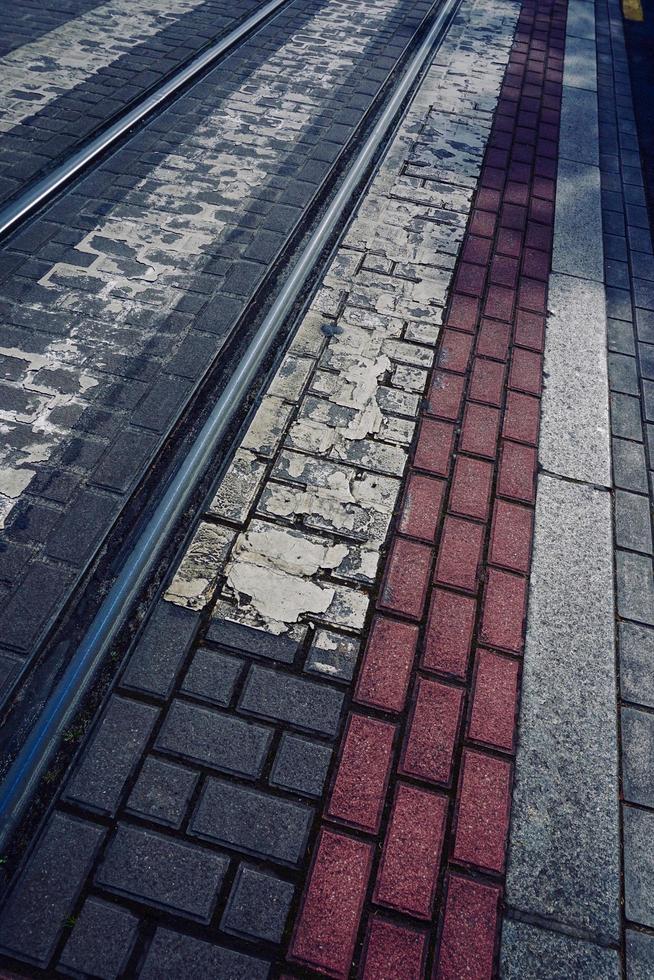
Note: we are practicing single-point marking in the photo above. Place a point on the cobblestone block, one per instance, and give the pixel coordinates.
(408, 872)
(245, 639)
(327, 927)
(177, 956)
(214, 739)
(633, 522)
(359, 790)
(637, 663)
(169, 874)
(635, 587)
(253, 822)
(36, 910)
(160, 652)
(294, 700)
(212, 676)
(258, 905)
(429, 747)
(387, 662)
(101, 941)
(300, 765)
(629, 466)
(108, 761)
(392, 950)
(468, 940)
(637, 756)
(332, 655)
(162, 792)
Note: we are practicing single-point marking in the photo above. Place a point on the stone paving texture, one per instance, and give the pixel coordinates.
(307, 765)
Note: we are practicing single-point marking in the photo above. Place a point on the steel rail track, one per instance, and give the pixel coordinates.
(31, 761)
(40, 191)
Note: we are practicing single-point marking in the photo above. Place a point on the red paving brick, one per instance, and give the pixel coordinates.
(526, 372)
(494, 337)
(468, 940)
(410, 862)
(471, 487)
(326, 930)
(421, 507)
(429, 748)
(517, 477)
(499, 303)
(505, 599)
(407, 574)
(446, 394)
(449, 633)
(359, 790)
(521, 418)
(482, 822)
(434, 449)
(511, 536)
(480, 430)
(387, 663)
(393, 952)
(459, 555)
(487, 382)
(463, 312)
(455, 349)
(494, 702)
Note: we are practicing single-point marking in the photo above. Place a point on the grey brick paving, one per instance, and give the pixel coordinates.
(163, 872)
(282, 697)
(258, 905)
(638, 832)
(178, 957)
(638, 756)
(101, 940)
(528, 951)
(212, 676)
(637, 663)
(162, 792)
(35, 913)
(215, 739)
(640, 955)
(629, 465)
(251, 821)
(111, 756)
(635, 587)
(160, 652)
(300, 765)
(633, 522)
(252, 641)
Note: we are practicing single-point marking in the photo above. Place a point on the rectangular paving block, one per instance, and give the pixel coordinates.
(637, 754)
(251, 821)
(637, 663)
(246, 639)
(577, 228)
(258, 905)
(111, 756)
(327, 926)
(635, 587)
(529, 951)
(469, 929)
(633, 521)
(574, 438)
(359, 791)
(282, 697)
(564, 845)
(101, 940)
(429, 745)
(170, 874)
(212, 676)
(214, 739)
(482, 821)
(161, 650)
(173, 954)
(162, 792)
(43, 897)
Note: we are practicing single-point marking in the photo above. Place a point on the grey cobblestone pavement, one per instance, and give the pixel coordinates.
(119, 299)
(193, 799)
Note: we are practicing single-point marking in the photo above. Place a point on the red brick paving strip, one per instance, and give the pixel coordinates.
(443, 659)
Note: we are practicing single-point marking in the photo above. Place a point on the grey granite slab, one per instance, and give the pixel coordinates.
(575, 419)
(564, 843)
(578, 249)
(579, 135)
(530, 953)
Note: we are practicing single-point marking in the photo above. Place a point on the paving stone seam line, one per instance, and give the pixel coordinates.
(273, 272)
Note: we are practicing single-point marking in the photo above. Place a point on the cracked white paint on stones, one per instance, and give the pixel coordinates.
(139, 261)
(196, 577)
(35, 74)
(334, 438)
